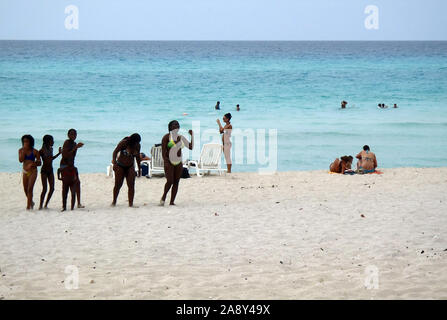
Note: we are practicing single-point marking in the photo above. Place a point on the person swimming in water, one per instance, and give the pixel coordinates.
(46, 172)
(67, 167)
(343, 104)
(340, 165)
(217, 107)
(31, 160)
(367, 162)
(395, 106)
(238, 108)
(226, 138)
(123, 160)
(171, 146)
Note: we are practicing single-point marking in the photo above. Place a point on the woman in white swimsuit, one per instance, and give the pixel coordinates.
(226, 138)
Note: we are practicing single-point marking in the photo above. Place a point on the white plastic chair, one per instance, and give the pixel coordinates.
(210, 159)
(156, 164)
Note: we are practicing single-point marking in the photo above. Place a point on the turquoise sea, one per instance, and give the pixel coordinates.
(107, 90)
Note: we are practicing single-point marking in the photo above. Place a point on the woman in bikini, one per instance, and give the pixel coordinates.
(226, 138)
(171, 146)
(123, 160)
(367, 162)
(67, 171)
(340, 165)
(46, 172)
(31, 160)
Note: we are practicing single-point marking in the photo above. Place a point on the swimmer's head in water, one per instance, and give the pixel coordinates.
(173, 125)
(48, 141)
(366, 147)
(227, 116)
(72, 134)
(28, 141)
(134, 139)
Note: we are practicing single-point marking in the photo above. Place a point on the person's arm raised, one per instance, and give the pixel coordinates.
(191, 144)
(221, 129)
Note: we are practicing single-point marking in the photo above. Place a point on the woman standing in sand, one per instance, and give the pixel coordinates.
(171, 146)
(123, 160)
(226, 138)
(67, 167)
(31, 160)
(342, 164)
(46, 172)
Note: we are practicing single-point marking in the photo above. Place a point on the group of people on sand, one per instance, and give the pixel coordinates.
(31, 158)
(124, 157)
(127, 153)
(366, 163)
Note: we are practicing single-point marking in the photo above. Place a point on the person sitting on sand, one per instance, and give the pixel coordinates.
(171, 146)
(123, 160)
(367, 162)
(46, 172)
(31, 160)
(340, 165)
(69, 150)
(217, 107)
(343, 104)
(143, 156)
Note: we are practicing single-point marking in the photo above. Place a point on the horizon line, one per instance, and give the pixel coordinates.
(227, 40)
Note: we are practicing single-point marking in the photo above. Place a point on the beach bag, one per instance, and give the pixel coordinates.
(185, 173)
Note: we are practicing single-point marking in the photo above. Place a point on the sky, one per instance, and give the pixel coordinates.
(223, 20)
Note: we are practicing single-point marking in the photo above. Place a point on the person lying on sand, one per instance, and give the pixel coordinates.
(367, 162)
(31, 160)
(340, 165)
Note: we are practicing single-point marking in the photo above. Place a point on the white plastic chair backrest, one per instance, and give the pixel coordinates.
(211, 154)
(157, 158)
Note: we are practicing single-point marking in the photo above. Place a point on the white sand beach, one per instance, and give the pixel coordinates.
(291, 235)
